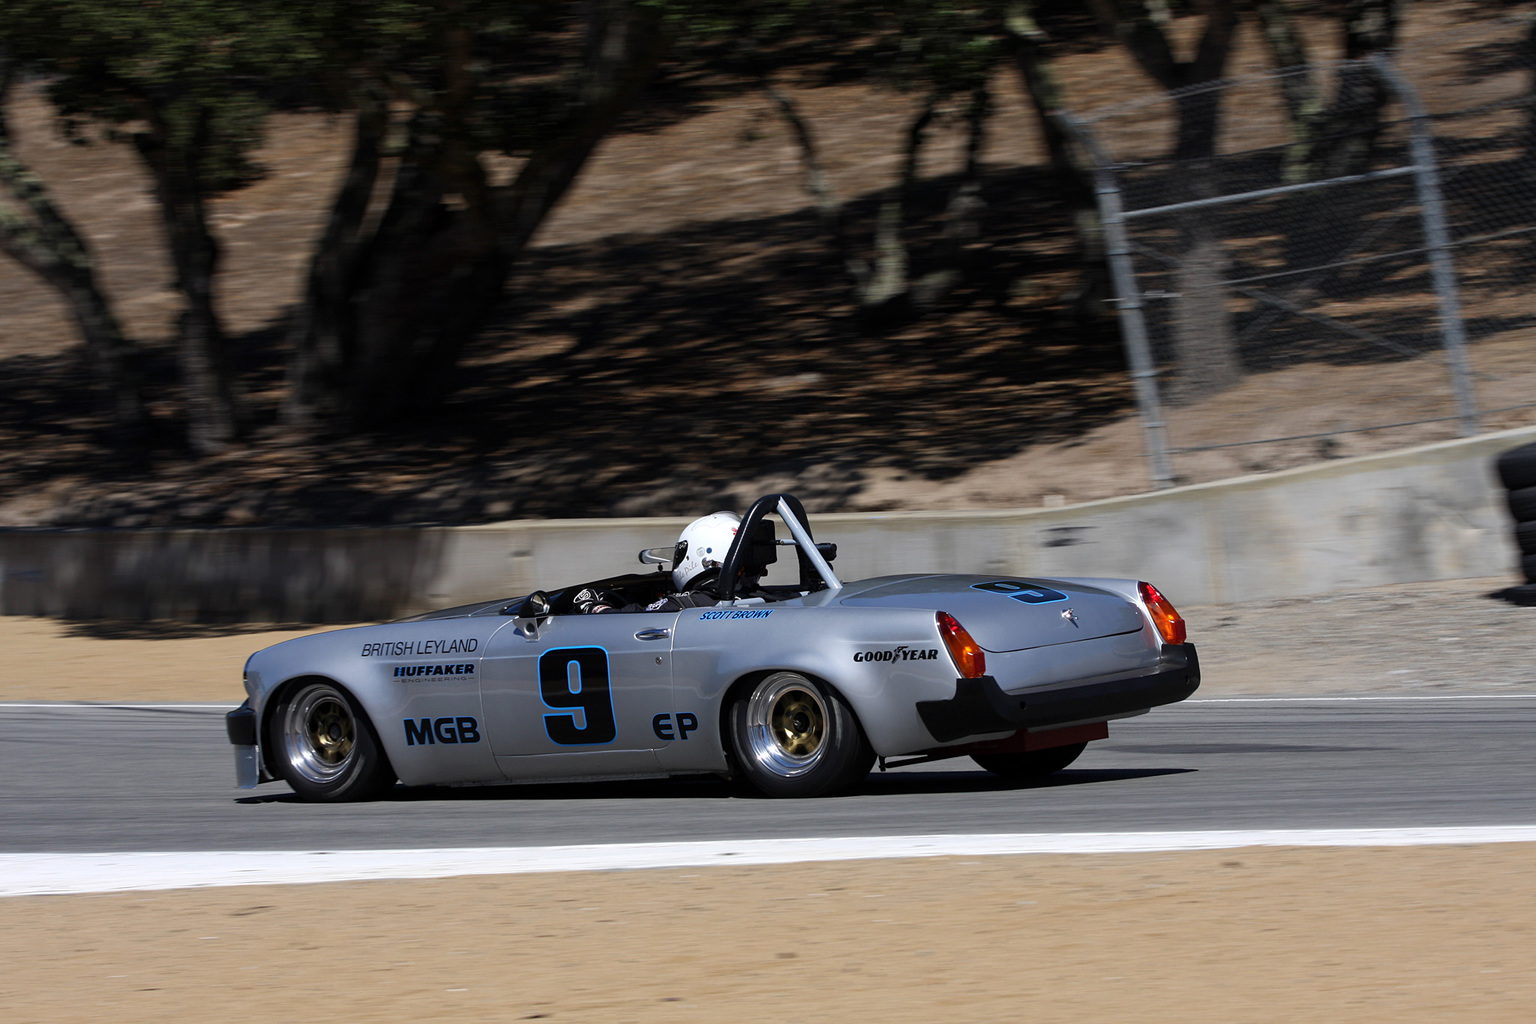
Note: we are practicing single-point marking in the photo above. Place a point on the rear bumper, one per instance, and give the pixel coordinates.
(981, 706)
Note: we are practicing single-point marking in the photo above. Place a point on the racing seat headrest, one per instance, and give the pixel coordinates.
(762, 550)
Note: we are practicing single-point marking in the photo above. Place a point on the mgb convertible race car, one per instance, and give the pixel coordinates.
(794, 688)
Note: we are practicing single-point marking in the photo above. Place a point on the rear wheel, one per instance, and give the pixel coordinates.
(324, 746)
(1030, 766)
(793, 736)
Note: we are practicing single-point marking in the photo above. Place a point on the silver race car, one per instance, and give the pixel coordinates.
(795, 689)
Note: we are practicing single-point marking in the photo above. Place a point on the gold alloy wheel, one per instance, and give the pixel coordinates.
(799, 723)
(319, 732)
(788, 724)
(330, 731)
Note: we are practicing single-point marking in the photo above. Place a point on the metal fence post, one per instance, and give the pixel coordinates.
(1133, 324)
(1437, 241)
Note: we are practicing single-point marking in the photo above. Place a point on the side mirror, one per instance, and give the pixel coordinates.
(531, 614)
(656, 556)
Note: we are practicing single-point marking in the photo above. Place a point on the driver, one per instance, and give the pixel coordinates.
(701, 547)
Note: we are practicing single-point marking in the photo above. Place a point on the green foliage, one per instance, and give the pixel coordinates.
(941, 48)
(197, 71)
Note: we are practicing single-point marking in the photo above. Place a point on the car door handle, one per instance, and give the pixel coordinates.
(653, 634)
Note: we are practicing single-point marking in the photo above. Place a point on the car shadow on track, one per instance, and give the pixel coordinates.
(894, 783)
(897, 783)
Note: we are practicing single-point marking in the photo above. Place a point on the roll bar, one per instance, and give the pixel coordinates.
(815, 571)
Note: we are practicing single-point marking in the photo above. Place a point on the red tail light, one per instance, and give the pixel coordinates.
(1164, 615)
(966, 652)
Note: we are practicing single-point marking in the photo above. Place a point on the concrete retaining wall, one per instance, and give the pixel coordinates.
(1428, 513)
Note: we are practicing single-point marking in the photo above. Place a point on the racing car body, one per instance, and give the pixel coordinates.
(795, 688)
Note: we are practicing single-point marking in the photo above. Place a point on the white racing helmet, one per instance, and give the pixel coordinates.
(702, 546)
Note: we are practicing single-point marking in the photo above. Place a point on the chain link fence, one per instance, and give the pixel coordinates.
(1327, 260)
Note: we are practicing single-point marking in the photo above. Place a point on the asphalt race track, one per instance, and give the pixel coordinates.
(81, 778)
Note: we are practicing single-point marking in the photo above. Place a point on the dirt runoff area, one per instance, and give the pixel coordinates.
(1376, 934)
(1427, 638)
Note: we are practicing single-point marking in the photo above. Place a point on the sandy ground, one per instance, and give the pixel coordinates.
(1401, 935)
(1447, 637)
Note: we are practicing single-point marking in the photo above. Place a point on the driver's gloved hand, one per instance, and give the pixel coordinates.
(592, 601)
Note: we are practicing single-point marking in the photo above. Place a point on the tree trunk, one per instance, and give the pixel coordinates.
(962, 215)
(1203, 343)
(389, 310)
(1353, 123)
(829, 209)
(884, 291)
(1204, 346)
(1528, 55)
(1072, 169)
(38, 236)
(322, 328)
(211, 407)
(1303, 107)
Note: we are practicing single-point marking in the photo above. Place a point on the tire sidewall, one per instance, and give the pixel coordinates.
(846, 760)
(365, 777)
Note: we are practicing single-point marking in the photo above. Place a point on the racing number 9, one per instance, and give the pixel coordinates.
(577, 678)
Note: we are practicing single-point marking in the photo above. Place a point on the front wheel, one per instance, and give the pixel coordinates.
(1032, 766)
(325, 747)
(793, 736)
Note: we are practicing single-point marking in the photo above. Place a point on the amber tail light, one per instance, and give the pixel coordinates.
(969, 658)
(1170, 624)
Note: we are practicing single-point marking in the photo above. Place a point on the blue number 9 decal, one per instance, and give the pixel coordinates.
(577, 678)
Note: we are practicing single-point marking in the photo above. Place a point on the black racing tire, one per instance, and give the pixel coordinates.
(1525, 536)
(1522, 504)
(792, 736)
(1528, 566)
(321, 743)
(1517, 467)
(1031, 766)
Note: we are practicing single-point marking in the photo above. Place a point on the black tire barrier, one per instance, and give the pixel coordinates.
(1517, 472)
(1522, 504)
(1517, 467)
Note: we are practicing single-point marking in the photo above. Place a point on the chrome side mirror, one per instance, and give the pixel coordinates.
(656, 556)
(531, 614)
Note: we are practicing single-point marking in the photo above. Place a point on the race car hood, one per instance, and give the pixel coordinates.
(1007, 613)
(462, 611)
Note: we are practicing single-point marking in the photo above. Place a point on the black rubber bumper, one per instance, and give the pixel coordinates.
(981, 706)
(241, 725)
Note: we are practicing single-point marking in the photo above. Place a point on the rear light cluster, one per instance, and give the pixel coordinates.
(1169, 623)
(963, 648)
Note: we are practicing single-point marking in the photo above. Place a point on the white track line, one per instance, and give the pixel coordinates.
(34, 874)
(76, 705)
(1329, 700)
